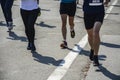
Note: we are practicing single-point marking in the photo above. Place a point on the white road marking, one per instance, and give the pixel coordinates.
(110, 8)
(62, 69)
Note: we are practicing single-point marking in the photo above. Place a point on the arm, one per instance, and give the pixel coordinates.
(106, 2)
(77, 1)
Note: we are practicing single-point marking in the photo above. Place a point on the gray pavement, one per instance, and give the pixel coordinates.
(109, 49)
(16, 63)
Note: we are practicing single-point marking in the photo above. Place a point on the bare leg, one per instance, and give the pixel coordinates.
(90, 37)
(64, 22)
(71, 22)
(96, 37)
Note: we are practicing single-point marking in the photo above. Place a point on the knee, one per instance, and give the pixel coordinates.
(96, 33)
(71, 24)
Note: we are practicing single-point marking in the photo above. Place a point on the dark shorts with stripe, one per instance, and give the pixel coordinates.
(91, 18)
(68, 8)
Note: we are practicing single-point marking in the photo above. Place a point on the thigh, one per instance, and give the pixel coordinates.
(72, 9)
(3, 3)
(63, 8)
(64, 18)
(9, 4)
(99, 17)
(32, 17)
(71, 20)
(24, 15)
(98, 21)
(89, 20)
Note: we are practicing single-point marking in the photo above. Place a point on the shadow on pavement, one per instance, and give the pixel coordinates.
(42, 24)
(81, 17)
(14, 36)
(107, 73)
(45, 59)
(110, 45)
(113, 13)
(45, 9)
(115, 5)
(2, 24)
(85, 52)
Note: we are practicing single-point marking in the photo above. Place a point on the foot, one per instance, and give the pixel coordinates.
(10, 26)
(31, 47)
(72, 33)
(96, 62)
(63, 45)
(91, 54)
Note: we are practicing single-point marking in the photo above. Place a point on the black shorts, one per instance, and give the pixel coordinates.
(90, 19)
(68, 8)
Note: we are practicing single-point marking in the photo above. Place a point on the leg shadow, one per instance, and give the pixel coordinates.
(14, 36)
(108, 74)
(3, 24)
(42, 24)
(110, 45)
(45, 59)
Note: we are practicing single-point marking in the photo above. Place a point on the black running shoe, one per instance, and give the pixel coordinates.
(96, 62)
(31, 47)
(91, 54)
(72, 33)
(63, 45)
(10, 26)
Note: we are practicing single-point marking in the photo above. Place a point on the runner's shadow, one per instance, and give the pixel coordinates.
(42, 24)
(115, 5)
(113, 13)
(107, 73)
(14, 36)
(110, 45)
(2, 23)
(78, 7)
(45, 59)
(87, 53)
(77, 50)
(81, 17)
(45, 9)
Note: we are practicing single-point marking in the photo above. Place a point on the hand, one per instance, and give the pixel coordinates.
(77, 2)
(106, 3)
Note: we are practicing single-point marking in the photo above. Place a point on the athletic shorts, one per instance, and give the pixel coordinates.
(90, 19)
(68, 8)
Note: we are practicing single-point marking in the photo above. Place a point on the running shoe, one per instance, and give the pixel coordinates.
(10, 26)
(96, 62)
(31, 47)
(63, 45)
(72, 33)
(91, 55)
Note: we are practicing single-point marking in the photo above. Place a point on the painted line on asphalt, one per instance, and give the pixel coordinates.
(110, 8)
(62, 69)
